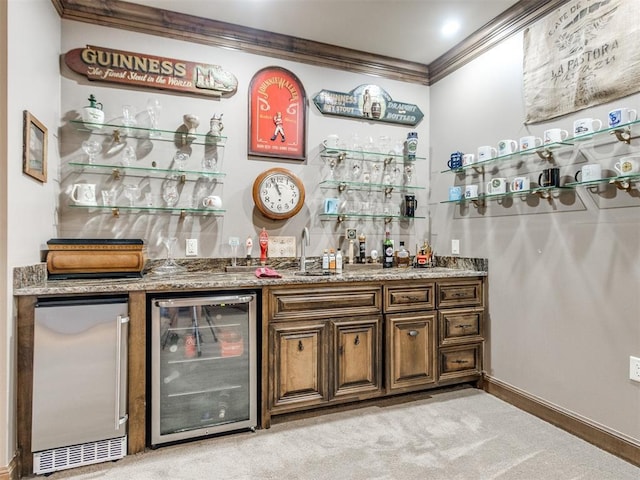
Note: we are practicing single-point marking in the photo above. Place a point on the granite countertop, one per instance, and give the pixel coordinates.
(216, 279)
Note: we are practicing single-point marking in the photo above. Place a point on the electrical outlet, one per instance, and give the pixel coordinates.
(455, 247)
(191, 247)
(634, 368)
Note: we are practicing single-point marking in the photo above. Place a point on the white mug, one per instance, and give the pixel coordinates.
(585, 126)
(212, 201)
(529, 142)
(84, 194)
(331, 143)
(471, 191)
(468, 159)
(589, 172)
(555, 135)
(497, 185)
(627, 165)
(519, 184)
(486, 152)
(620, 116)
(507, 147)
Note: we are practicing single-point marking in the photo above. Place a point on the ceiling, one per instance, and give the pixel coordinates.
(402, 29)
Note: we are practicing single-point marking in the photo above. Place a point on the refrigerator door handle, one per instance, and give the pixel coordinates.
(230, 300)
(122, 324)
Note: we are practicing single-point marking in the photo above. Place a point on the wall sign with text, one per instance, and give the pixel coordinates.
(138, 69)
(368, 102)
(277, 114)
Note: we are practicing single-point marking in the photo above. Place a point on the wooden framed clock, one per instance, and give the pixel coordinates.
(278, 194)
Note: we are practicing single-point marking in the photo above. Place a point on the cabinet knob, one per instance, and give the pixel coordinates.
(412, 333)
(300, 346)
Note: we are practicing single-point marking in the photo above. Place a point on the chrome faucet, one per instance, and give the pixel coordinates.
(304, 241)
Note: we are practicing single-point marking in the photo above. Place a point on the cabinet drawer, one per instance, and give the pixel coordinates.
(460, 361)
(461, 325)
(460, 293)
(325, 302)
(405, 298)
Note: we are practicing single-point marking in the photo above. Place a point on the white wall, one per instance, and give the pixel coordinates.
(239, 219)
(33, 84)
(564, 275)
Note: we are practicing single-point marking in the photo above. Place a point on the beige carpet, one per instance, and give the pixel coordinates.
(454, 435)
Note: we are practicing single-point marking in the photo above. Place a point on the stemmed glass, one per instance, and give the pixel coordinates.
(153, 109)
(332, 162)
(131, 193)
(128, 156)
(180, 160)
(128, 118)
(170, 194)
(91, 148)
(169, 266)
(408, 173)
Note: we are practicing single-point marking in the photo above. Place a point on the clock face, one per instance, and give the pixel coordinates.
(278, 193)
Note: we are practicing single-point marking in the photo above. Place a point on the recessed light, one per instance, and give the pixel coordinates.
(450, 27)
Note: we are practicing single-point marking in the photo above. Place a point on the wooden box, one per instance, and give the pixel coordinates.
(95, 258)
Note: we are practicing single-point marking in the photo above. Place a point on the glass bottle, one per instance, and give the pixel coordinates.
(387, 251)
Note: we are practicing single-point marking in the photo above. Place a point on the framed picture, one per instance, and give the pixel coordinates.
(277, 115)
(34, 148)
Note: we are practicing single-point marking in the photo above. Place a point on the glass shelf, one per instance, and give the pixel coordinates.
(116, 210)
(341, 217)
(342, 185)
(117, 170)
(543, 192)
(621, 181)
(367, 156)
(116, 131)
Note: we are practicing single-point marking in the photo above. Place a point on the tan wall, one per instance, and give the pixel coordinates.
(565, 274)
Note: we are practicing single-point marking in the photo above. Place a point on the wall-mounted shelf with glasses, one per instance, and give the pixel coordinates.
(134, 171)
(622, 182)
(388, 218)
(542, 192)
(116, 210)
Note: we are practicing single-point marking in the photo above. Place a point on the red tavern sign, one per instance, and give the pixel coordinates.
(138, 69)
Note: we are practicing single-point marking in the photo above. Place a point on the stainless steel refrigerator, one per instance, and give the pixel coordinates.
(79, 382)
(203, 366)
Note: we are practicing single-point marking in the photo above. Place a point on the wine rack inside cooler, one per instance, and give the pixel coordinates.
(203, 366)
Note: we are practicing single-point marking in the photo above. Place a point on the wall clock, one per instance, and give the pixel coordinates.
(278, 194)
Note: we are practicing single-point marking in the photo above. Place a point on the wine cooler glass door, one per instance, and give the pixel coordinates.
(203, 366)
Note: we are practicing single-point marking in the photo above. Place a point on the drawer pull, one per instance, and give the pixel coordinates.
(464, 326)
(357, 340)
(300, 346)
(412, 333)
(410, 298)
(461, 361)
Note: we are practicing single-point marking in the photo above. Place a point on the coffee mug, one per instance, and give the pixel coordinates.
(529, 142)
(519, 184)
(410, 205)
(331, 143)
(455, 161)
(585, 126)
(507, 147)
(497, 185)
(468, 159)
(620, 116)
(627, 165)
(331, 205)
(589, 172)
(455, 193)
(486, 152)
(549, 177)
(555, 135)
(84, 194)
(212, 201)
(471, 191)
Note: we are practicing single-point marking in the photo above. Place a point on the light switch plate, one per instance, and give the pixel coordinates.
(282, 247)
(191, 247)
(455, 247)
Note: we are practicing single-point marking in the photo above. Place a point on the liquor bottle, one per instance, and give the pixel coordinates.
(332, 259)
(387, 251)
(339, 261)
(362, 245)
(404, 259)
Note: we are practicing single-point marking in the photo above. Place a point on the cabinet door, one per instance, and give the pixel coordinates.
(356, 353)
(298, 364)
(411, 350)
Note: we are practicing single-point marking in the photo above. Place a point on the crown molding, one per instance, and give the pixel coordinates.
(139, 18)
(511, 21)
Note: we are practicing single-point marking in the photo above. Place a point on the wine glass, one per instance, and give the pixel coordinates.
(169, 266)
(91, 148)
(153, 109)
(170, 194)
(332, 163)
(128, 156)
(408, 173)
(128, 118)
(180, 160)
(131, 193)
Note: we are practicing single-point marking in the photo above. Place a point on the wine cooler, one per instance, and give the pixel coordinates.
(203, 366)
